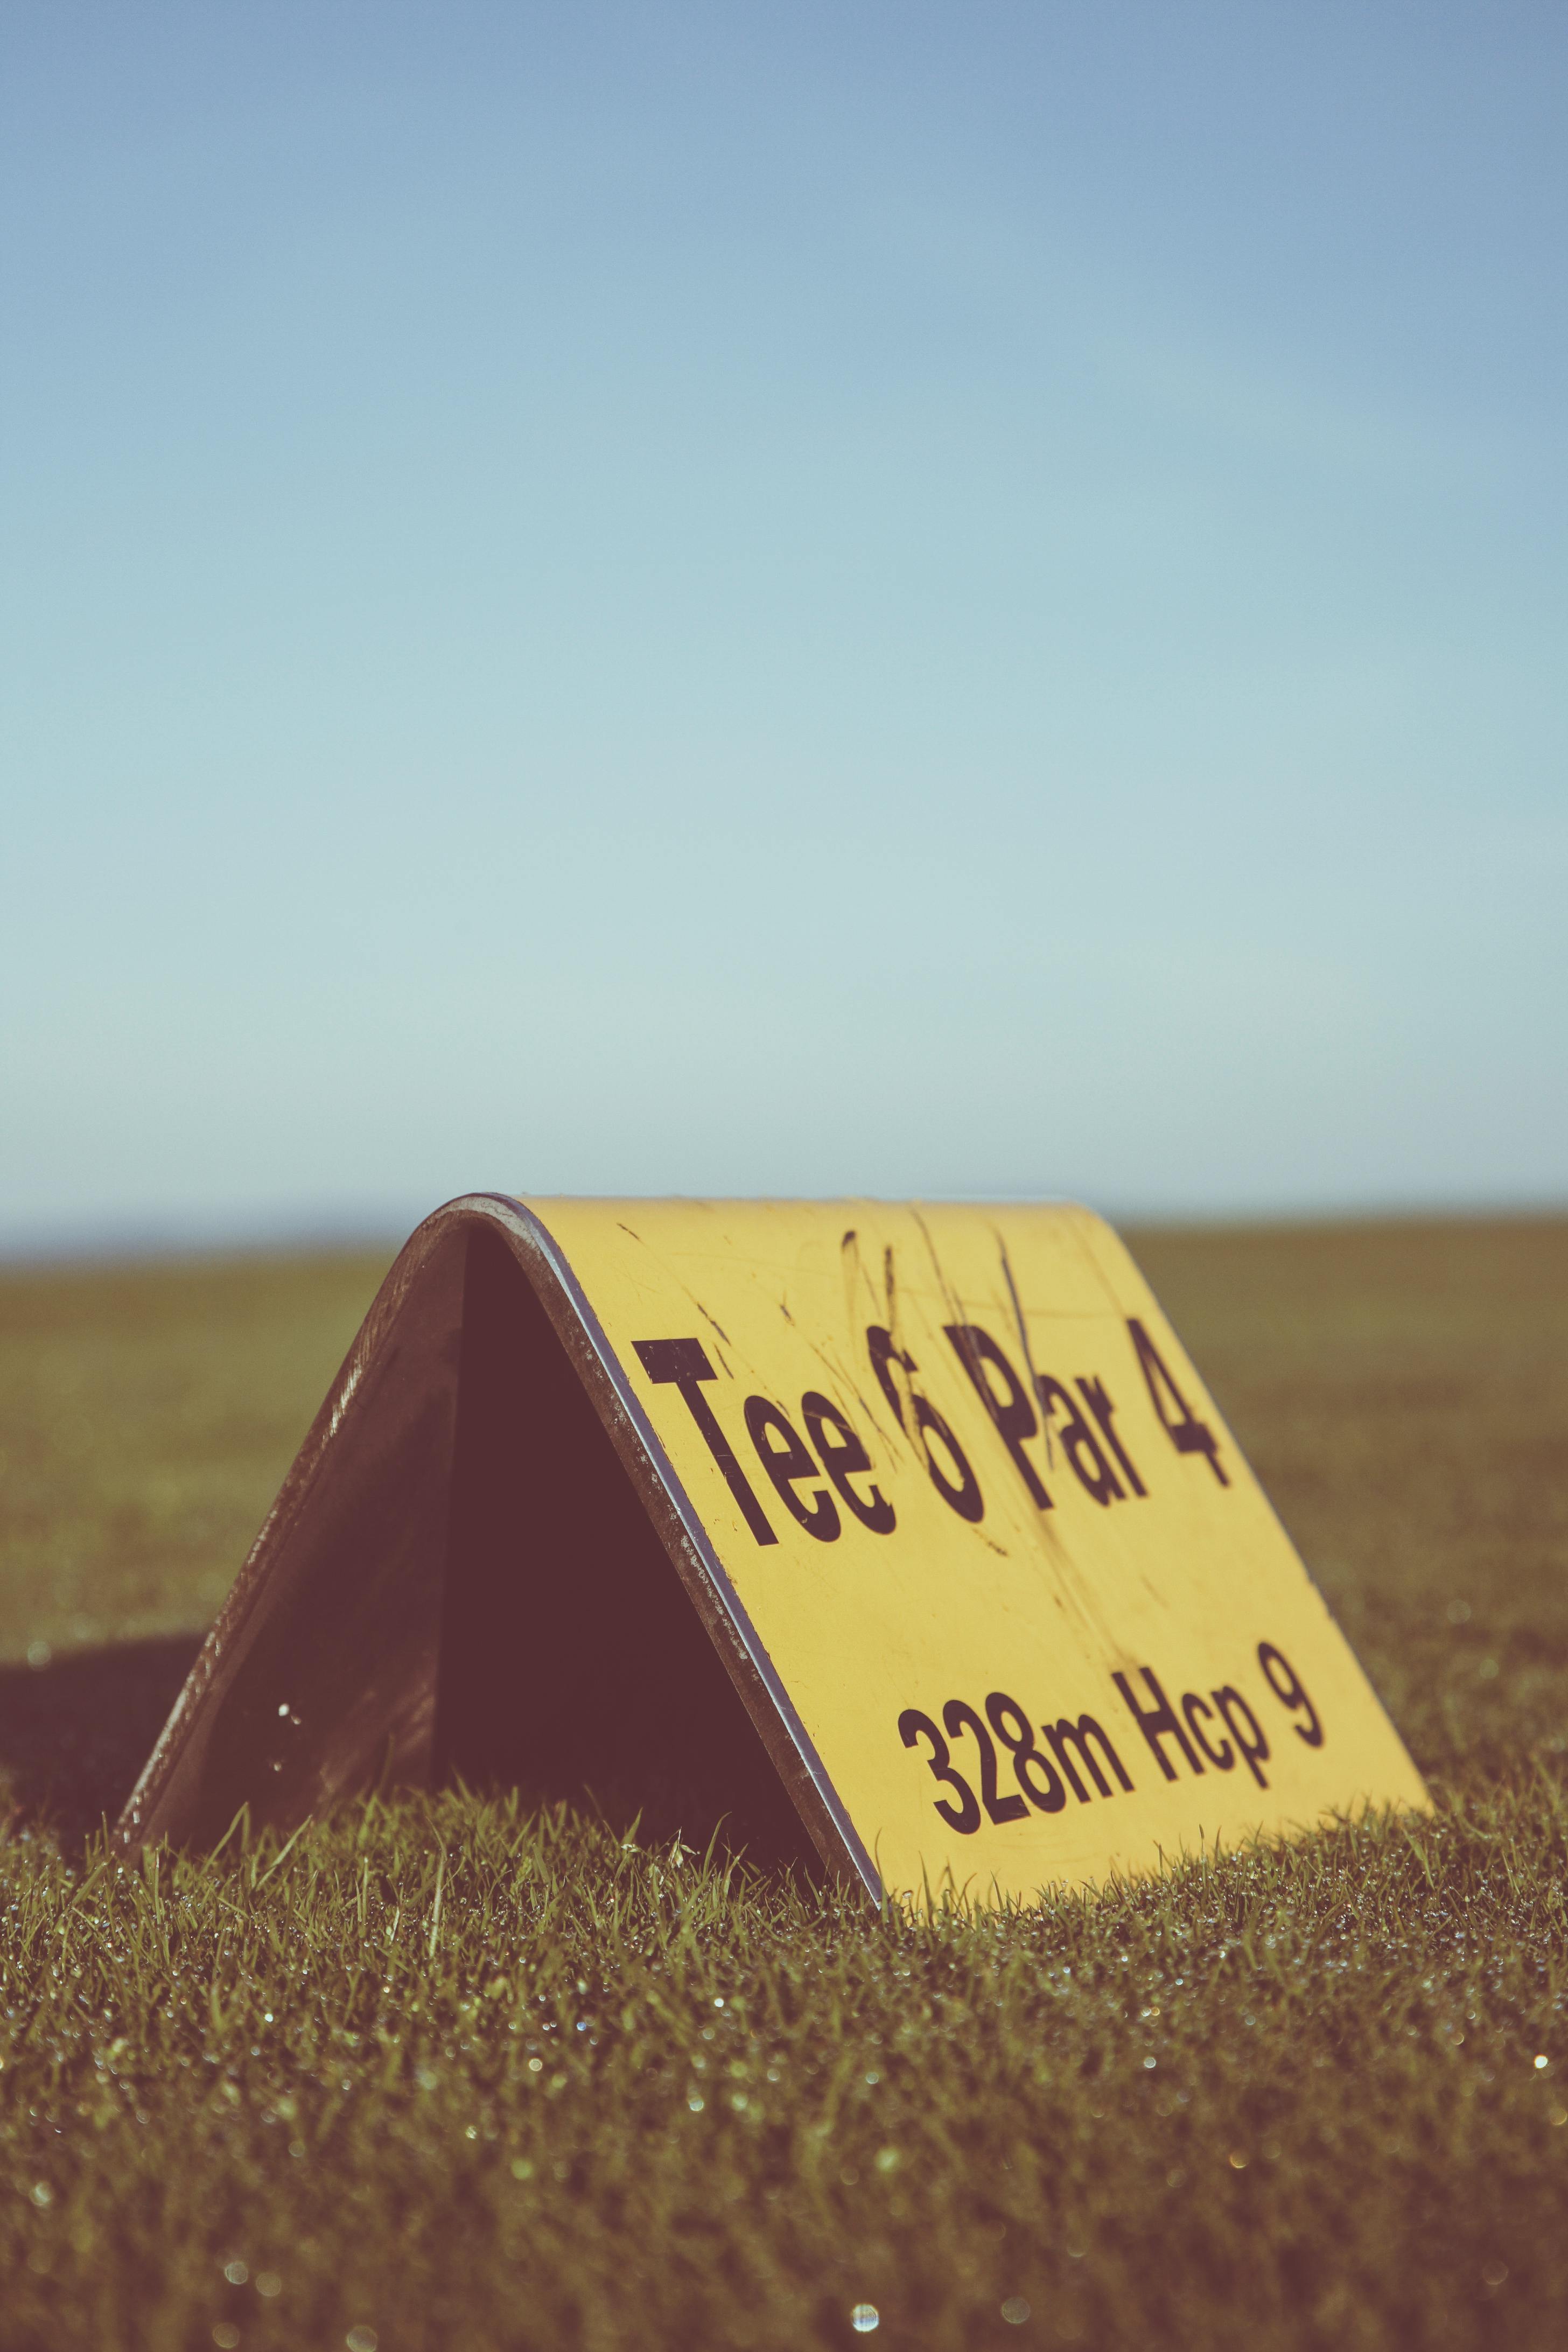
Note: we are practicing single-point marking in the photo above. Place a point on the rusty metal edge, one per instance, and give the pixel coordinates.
(675, 1516)
(217, 1659)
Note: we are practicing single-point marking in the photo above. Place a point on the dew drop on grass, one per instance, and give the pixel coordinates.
(864, 2318)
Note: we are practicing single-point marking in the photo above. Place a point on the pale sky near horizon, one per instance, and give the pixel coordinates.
(854, 598)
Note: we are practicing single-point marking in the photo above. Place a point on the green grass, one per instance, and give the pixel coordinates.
(432, 2075)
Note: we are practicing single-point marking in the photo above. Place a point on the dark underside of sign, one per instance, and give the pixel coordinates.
(572, 1662)
(467, 1577)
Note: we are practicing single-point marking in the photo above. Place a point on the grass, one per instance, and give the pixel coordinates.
(446, 2074)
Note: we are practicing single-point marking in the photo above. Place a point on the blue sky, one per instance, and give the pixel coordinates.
(831, 599)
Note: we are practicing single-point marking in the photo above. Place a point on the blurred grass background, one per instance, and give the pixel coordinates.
(264, 2103)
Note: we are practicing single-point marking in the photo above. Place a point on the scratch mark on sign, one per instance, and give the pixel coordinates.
(849, 1268)
(346, 1398)
(1024, 1343)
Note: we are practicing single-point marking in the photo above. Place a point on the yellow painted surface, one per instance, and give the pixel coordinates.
(1026, 1613)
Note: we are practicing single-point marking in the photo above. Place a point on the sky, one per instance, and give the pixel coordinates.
(845, 599)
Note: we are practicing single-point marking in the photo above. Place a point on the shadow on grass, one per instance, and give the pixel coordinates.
(75, 1734)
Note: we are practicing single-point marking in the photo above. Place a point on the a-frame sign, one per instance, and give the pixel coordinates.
(913, 1526)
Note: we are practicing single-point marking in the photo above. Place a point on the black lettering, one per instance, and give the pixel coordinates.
(1100, 1405)
(684, 1363)
(1239, 1721)
(1012, 1413)
(1089, 1466)
(844, 1457)
(961, 1490)
(1036, 1774)
(1223, 1757)
(1185, 1432)
(957, 1716)
(1063, 1735)
(965, 1819)
(1283, 1681)
(786, 1458)
(1158, 1722)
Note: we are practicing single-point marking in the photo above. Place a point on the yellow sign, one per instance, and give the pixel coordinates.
(1022, 1610)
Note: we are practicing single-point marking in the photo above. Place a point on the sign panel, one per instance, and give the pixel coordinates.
(1028, 1613)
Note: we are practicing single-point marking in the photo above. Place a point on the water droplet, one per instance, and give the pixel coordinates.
(361, 2339)
(236, 2272)
(1014, 2311)
(1238, 2160)
(864, 2317)
(268, 2283)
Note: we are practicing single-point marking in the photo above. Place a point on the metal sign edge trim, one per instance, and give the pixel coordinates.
(526, 1226)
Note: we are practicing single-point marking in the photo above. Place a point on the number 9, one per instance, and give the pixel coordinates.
(1286, 1684)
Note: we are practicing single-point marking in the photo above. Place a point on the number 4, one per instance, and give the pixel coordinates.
(1186, 1432)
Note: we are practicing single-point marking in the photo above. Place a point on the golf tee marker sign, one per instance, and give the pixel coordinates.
(919, 1516)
